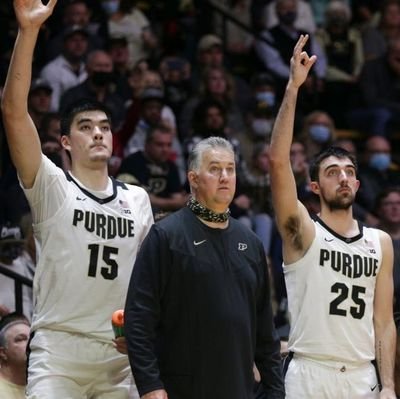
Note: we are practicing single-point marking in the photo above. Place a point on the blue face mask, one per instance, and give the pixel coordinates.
(266, 96)
(320, 133)
(110, 6)
(262, 127)
(380, 161)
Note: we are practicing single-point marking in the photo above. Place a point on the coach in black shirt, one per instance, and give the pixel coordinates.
(198, 313)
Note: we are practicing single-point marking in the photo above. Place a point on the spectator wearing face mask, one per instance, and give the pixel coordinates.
(343, 47)
(262, 111)
(99, 86)
(377, 171)
(261, 120)
(304, 18)
(75, 13)
(318, 132)
(126, 19)
(276, 51)
(68, 69)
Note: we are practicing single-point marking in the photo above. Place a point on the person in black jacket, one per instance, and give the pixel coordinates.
(198, 313)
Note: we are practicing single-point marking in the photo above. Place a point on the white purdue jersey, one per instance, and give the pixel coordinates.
(331, 296)
(88, 244)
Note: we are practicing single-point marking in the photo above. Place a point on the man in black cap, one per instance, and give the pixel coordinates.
(117, 48)
(39, 100)
(74, 12)
(68, 69)
(152, 102)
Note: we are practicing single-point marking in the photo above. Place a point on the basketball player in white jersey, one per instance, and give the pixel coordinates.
(338, 273)
(88, 227)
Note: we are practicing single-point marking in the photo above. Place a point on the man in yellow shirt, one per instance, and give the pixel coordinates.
(14, 335)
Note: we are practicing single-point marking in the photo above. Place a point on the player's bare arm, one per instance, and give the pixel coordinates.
(293, 221)
(21, 133)
(385, 330)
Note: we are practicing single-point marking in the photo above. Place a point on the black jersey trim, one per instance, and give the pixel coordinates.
(347, 240)
(90, 195)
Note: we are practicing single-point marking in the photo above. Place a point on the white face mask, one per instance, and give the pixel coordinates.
(262, 127)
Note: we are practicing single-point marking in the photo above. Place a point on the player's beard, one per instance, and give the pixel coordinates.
(340, 203)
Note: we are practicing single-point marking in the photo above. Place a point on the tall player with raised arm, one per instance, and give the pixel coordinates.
(89, 228)
(338, 272)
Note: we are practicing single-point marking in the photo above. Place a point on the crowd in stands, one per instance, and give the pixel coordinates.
(172, 73)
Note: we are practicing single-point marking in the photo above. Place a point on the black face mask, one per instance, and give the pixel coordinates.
(288, 18)
(337, 21)
(9, 252)
(102, 79)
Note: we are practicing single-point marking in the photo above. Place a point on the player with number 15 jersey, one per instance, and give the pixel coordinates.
(100, 232)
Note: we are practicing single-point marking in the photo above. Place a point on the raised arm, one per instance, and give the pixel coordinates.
(385, 330)
(22, 136)
(293, 221)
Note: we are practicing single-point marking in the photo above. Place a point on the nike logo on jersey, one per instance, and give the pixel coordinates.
(328, 240)
(80, 198)
(373, 388)
(198, 242)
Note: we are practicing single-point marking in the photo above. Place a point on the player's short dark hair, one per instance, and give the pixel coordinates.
(333, 151)
(82, 105)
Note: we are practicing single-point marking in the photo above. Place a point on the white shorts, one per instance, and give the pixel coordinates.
(308, 379)
(73, 366)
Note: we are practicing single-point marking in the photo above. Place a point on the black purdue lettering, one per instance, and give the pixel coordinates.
(101, 225)
(121, 227)
(106, 227)
(357, 266)
(371, 268)
(375, 267)
(323, 256)
(336, 261)
(367, 266)
(131, 228)
(346, 264)
(353, 266)
(78, 217)
(111, 227)
(90, 221)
